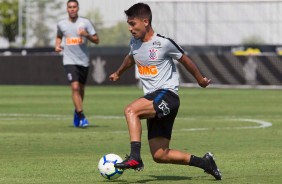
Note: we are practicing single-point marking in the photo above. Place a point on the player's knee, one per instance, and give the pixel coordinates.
(160, 156)
(76, 88)
(129, 110)
(159, 159)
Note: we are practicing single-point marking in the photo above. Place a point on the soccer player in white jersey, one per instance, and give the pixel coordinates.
(153, 54)
(76, 31)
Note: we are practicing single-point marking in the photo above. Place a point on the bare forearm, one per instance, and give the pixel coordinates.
(192, 68)
(93, 38)
(127, 63)
(58, 41)
(58, 47)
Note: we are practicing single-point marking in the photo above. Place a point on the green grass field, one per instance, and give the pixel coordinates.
(38, 143)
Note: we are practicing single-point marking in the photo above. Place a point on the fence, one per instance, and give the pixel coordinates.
(223, 68)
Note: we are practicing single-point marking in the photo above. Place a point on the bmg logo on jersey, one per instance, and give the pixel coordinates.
(153, 54)
(164, 107)
(147, 70)
(74, 40)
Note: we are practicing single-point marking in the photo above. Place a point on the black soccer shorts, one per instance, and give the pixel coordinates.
(166, 104)
(76, 73)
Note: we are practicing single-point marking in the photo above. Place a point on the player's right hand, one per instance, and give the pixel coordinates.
(59, 49)
(114, 77)
(204, 82)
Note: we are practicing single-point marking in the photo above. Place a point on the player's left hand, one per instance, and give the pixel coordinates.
(204, 82)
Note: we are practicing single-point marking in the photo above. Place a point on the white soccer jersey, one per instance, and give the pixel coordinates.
(154, 60)
(75, 46)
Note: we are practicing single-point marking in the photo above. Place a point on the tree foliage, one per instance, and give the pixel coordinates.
(39, 17)
(9, 19)
(253, 40)
(115, 35)
(36, 19)
(45, 11)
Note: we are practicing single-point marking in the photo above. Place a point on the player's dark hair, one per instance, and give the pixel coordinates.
(140, 10)
(74, 1)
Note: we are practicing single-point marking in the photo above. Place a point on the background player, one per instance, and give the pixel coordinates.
(153, 54)
(76, 32)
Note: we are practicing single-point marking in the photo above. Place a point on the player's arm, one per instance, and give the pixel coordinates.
(93, 38)
(192, 68)
(58, 47)
(127, 63)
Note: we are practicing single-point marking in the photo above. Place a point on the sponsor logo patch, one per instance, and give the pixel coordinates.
(148, 70)
(69, 77)
(74, 40)
(164, 107)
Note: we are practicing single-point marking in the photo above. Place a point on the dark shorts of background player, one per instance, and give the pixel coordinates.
(76, 73)
(166, 104)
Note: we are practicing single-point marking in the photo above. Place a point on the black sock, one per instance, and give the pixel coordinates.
(80, 114)
(197, 162)
(135, 150)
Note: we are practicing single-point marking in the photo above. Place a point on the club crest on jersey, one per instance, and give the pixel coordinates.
(153, 54)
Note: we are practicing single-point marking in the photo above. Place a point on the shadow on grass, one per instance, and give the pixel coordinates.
(155, 178)
(164, 178)
(89, 126)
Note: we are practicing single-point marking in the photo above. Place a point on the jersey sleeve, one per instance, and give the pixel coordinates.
(130, 46)
(90, 28)
(173, 49)
(59, 31)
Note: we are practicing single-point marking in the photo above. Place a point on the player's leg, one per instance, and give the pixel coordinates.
(77, 97)
(82, 91)
(161, 153)
(72, 77)
(77, 76)
(82, 73)
(150, 106)
(139, 109)
(159, 135)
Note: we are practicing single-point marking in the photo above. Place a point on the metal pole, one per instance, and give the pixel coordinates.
(20, 22)
(206, 24)
(27, 22)
(174, 21)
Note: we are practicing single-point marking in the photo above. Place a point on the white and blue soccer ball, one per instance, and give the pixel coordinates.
(106, 166)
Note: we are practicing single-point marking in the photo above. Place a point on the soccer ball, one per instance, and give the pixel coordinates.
(106, 166)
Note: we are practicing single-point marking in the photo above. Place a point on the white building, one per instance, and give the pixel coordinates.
(198, 22)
